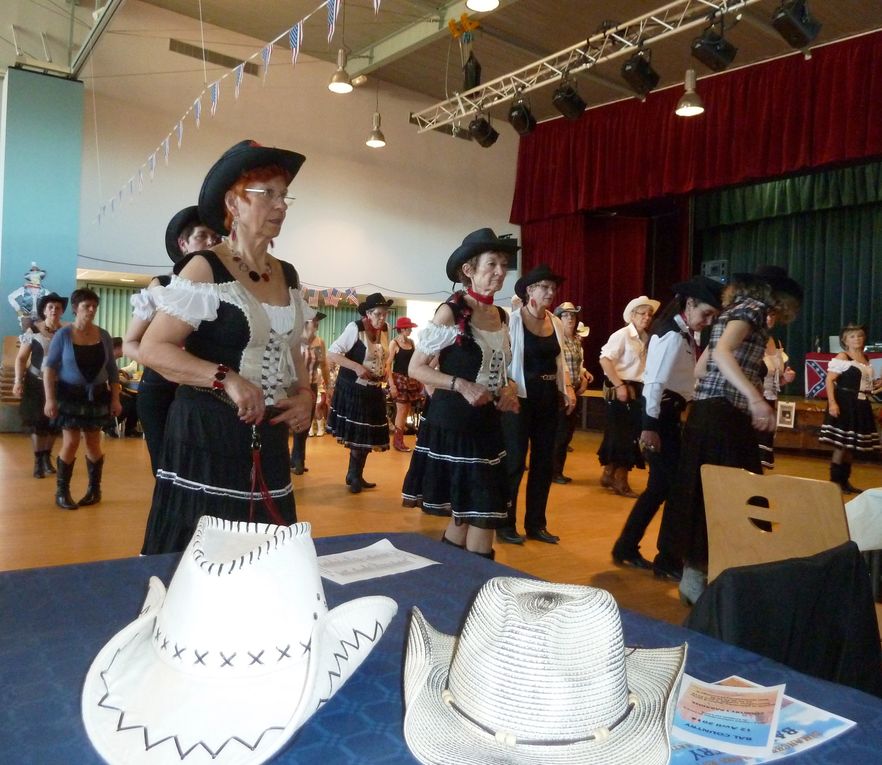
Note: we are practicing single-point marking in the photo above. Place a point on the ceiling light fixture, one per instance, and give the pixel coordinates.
(340, 80)
(376, 140)
(520, 117)
(690, 104)
(482, 131)
(567, 101)
(637, 71)
(482, 6)
(795, 24)
(712, 49)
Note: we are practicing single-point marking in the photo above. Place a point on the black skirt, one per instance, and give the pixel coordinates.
(624, 421)
(357, 417)
(854, 429)
(205, 469)
(33, 402)
(83, 407)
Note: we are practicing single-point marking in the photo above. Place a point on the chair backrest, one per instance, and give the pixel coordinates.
(763, 518)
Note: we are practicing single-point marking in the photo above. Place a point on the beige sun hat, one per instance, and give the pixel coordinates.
(583, 330)
(226, 665)
(636, 303)
(538, 675)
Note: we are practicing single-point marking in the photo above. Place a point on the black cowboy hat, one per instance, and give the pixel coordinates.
(540, 273)
(703, 289)
(189, 216)
(374, 300)
(52, 297)
(776, 277)
(482, 240)
(245, 155)
(319, 316)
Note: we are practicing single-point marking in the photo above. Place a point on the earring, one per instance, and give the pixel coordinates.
(233, 227)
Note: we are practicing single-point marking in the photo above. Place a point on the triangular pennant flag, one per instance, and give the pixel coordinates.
(295, 37)
(265, 55)
(238, 73)
(213, 95)
(132, 186)
(197, 109)
(141, 178)
(351, 296)
(333, 10)
(376, 7)
(313, 298)
(151, 164)
(179, 129)
(165, 149)
(119, 197)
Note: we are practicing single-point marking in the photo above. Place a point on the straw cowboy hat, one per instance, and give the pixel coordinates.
(538, 675)
(636, 303)
(245, 155)
(478, 242)
(583, 330)
(228, 663)
(567, 307)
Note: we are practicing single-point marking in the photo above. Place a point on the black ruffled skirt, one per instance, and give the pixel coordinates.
(205, 469)
(461, 472)
(854, 429)
(357, 418)
(78, 411)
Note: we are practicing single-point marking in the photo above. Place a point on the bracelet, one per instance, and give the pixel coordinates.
(453, 382)
(218, 382)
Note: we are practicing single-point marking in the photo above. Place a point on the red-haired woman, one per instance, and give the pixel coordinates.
(227, 329)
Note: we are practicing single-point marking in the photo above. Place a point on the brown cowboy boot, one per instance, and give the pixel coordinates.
(398, 441)
(620, 483)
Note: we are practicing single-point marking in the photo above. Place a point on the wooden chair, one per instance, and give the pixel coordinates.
(763, 518)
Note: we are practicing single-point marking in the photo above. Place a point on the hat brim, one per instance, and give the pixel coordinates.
(187, 217)
(466, 252)
(139, 709)
(229, 168)
(636, 303)
(437, 735)
(363, 308)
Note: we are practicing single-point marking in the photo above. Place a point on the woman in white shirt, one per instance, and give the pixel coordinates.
(623, 360)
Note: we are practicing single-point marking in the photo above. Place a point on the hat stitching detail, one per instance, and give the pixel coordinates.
(508, 738)
(341, 657)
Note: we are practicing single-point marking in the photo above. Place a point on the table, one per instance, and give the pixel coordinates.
(54, 620)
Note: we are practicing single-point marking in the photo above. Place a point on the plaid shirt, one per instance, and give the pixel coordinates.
(573, 357)
(749, 354)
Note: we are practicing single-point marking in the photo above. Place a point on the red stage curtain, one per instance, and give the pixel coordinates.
(603, 261)
(760, 122)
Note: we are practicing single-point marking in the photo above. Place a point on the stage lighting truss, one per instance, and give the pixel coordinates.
(607, 44)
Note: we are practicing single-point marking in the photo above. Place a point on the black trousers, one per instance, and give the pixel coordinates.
(298, 444)
(534, 428)
(566, 426)
(154, 401)
(663, 467)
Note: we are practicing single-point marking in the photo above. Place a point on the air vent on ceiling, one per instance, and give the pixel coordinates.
(212, 57)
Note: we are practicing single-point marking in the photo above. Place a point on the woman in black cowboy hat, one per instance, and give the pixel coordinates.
(544, 386)
(28, 384)
(184, 234)
(357, 418)
(227, 329)
(458, 466)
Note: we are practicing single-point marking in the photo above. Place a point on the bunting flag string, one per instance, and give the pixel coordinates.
(333, 10)
(351, 296)
(296, 39)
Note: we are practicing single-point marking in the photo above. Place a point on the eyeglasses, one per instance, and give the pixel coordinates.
(274, 196)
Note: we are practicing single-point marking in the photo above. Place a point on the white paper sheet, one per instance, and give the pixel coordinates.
(379, 559)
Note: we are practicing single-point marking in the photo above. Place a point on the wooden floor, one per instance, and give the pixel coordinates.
(33, 532)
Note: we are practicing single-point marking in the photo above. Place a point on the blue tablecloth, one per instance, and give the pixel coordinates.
(53, 621)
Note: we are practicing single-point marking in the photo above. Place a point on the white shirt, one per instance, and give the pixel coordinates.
(670, 365)
(516, 370)
(627, 352)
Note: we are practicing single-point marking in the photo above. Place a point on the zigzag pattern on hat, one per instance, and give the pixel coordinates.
(346, 645)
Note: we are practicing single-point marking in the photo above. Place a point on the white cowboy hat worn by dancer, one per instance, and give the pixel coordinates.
(226, 665)
(539, 674)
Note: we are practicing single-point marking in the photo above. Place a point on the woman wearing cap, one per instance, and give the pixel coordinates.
(81, 383)
(405, 391)
(227, 329)
(727, 410)
(581, 377)
(28, 385)
(315, 358)
(184, 234)
(544, 385)
(623, 359)
(848, 424)
(668, 385)
(357, 418)
(458, 465)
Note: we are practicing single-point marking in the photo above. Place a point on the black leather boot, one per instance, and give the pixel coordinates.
(846, 483)
(39, 470)
(353, 475)
(93, 495)
(62, 485)
(362, 459)
(47, 463)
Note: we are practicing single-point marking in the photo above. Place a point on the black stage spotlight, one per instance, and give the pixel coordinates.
(713, 50)
(483, 132)
(567, 101)
(639, 74)
(520, 116)
(795, 24)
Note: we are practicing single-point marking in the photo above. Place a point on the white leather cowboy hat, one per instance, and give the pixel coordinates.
(226, 665)
(636, 303)
(539, 674)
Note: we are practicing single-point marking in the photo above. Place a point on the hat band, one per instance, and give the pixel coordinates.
(507, 738)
